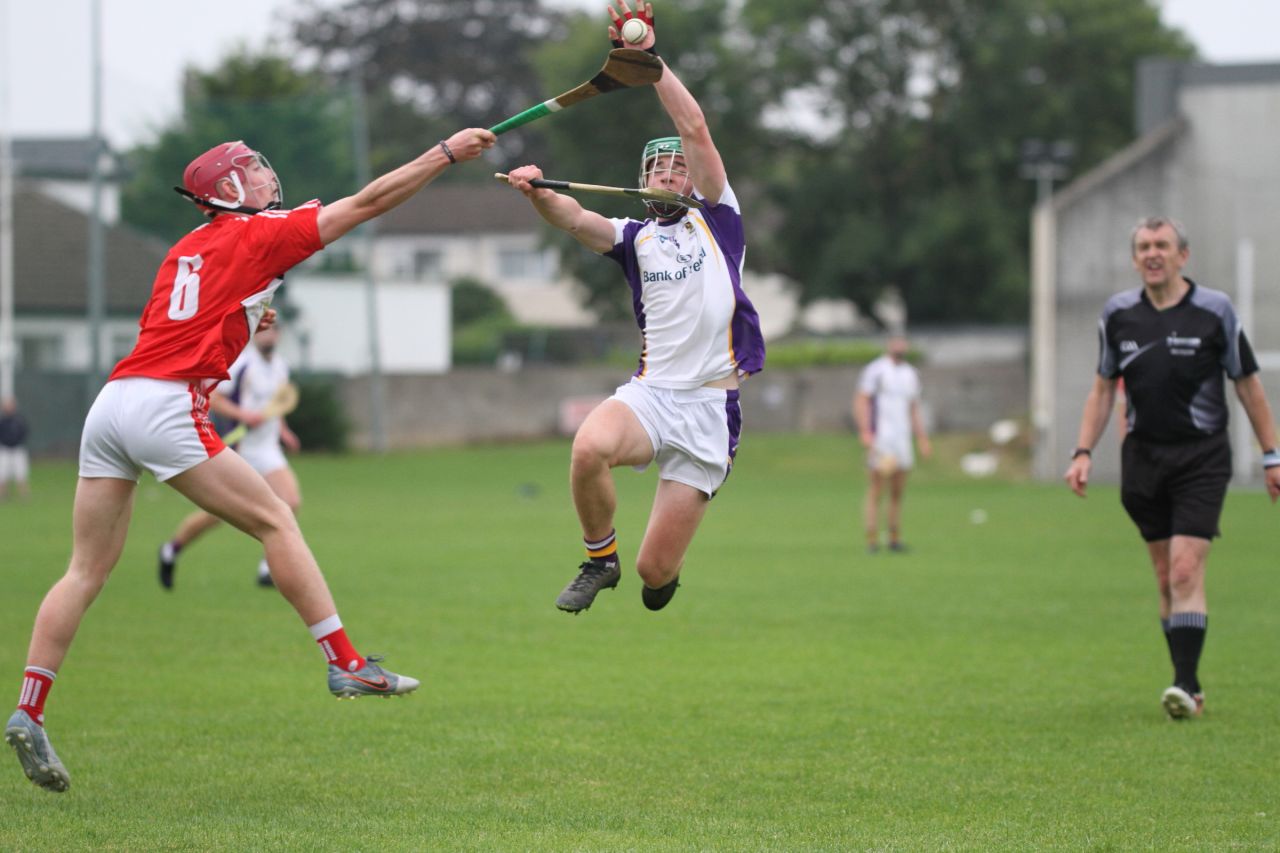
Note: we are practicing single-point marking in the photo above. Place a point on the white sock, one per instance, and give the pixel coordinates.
(325, 627)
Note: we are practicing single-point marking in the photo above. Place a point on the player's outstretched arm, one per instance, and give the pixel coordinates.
(564, 212)
(395, 187)
(700, 153)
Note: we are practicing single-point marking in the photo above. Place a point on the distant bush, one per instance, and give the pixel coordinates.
(319, 421)
(822, 352)
(473, 302)
(480, 342)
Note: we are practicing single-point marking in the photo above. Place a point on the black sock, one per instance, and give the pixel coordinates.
(1164, 626)
(1186, 641)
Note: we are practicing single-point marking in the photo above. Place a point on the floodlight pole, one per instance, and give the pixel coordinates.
(1245, 456)
(7, 349)
(360, 139)
(1044, 163)
(96, 261)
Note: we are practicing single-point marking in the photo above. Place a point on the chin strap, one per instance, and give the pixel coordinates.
(224, 207)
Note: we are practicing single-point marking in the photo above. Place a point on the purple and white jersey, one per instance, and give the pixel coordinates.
(255, 379)
(893, 388)
(686, 289)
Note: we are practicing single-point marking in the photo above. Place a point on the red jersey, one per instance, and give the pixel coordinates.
(212, 290)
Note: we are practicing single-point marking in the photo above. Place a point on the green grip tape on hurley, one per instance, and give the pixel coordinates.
(521, 118)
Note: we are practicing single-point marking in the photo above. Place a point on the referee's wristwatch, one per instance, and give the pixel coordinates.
(1084, 451)
(1271, 458)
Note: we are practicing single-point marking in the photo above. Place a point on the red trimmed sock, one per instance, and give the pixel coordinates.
(339, 651)
(36, 683)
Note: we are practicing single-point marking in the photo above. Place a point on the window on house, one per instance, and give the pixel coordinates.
(531, 264)
(428, 265)
(40, 352)
(121, 345)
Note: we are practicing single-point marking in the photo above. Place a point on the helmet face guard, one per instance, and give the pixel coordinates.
(659, 158)
(246, 169)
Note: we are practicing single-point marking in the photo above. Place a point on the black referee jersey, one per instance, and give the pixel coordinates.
(1172, 361)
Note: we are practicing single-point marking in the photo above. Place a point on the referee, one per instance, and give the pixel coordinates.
(1171, 340)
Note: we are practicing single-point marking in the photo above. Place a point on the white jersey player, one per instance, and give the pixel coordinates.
(256, 376)
(886, 409)
(701, 336)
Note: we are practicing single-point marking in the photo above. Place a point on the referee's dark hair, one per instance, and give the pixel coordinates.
(1151, 223)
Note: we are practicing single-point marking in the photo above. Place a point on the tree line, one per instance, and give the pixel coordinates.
(873, 143)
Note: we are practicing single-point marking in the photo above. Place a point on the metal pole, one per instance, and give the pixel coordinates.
(7, 350)
(1043, 319)
(95, 272)
(1245, 457)
(377, 397)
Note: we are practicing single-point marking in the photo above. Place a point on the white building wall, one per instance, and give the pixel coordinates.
(546, 299)
(330, 333)
(1219, 175)
(61, 343)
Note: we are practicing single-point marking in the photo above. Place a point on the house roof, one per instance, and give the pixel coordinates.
(457, 208)
(1160, 80)
(50, 259)
(1121, 162)
(62, 157)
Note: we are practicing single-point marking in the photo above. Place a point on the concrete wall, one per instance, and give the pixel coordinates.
(483, 405)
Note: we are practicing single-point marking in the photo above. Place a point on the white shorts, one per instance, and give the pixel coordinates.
(161, 425)
(14, 465)
(897, 446)
(694, 432)
(264, 458)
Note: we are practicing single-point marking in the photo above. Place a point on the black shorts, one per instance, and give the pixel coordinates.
(1175, 489)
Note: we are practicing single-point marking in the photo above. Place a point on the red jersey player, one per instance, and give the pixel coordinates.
(212, 292)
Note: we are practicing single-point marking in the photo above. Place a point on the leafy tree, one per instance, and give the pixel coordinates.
(912, 177)
(300, 123)
(474, 301)
(434, 66)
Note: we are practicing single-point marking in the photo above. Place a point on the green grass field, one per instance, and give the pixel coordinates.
(996, 688)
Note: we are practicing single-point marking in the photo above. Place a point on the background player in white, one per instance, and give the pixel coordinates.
(211, 293)
(701, 334)
(886, 408)
(256, 376)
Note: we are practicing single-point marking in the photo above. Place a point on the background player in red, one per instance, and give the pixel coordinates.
(212, 292)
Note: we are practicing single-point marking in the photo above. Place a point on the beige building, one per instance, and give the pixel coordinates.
(1205, 154)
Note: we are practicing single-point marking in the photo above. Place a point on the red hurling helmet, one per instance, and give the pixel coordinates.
(231, 161)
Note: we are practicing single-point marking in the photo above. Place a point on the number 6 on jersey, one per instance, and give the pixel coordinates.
(185, 299)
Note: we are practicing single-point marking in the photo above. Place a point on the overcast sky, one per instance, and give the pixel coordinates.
(44, 53)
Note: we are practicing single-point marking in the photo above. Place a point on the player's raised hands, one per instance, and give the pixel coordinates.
(624, 34)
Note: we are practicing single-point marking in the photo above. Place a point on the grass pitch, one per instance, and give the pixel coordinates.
(995, 688)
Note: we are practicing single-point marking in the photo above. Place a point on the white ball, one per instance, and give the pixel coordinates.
(978, 516)
(634, 30)
(1003, 432)
(979, 463)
